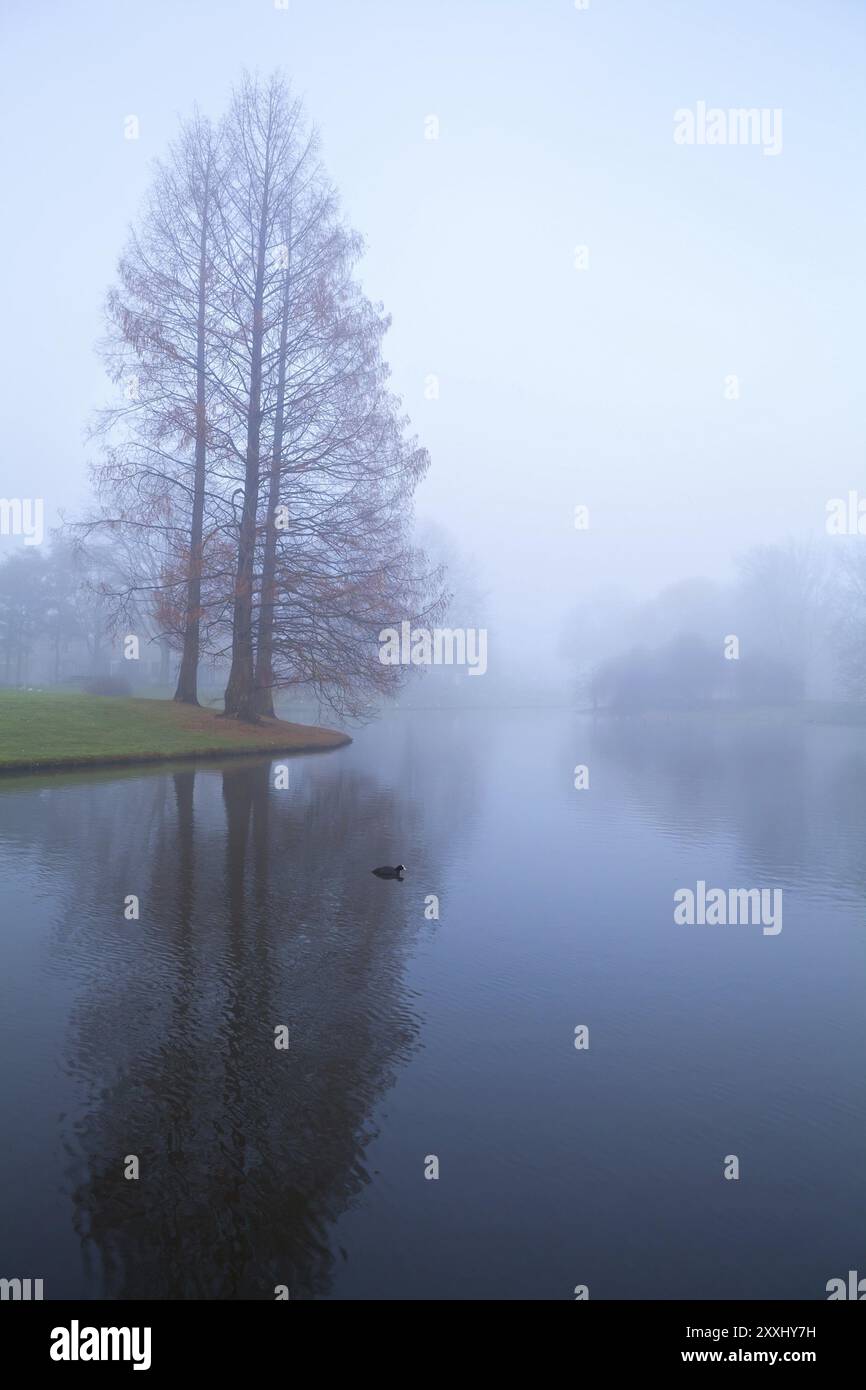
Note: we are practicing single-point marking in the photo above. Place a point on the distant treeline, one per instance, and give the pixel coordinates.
(790, 626)
(58, 624)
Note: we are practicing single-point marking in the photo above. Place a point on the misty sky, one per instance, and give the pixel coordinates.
(557, 386)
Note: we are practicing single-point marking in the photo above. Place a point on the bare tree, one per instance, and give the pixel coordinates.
(163, 347)
(265, 151)
(258, 472)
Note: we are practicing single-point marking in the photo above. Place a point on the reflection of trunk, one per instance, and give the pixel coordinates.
(246, 942)
(246, 793)
(237, 798)
(260, 776)
(238, 806)
(187, 682)
(265, 645)
(186, 993)
(261, 786)
(184, 788)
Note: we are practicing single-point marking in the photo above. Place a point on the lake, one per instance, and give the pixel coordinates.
(417, 1039)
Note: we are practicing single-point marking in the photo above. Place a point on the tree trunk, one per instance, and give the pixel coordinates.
(265, 644)
(187, 681)
(240, 696)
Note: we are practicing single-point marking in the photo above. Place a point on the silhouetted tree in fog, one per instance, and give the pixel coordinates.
(258, 470)
(163, 345)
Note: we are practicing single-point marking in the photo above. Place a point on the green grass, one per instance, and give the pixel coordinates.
(42, 730)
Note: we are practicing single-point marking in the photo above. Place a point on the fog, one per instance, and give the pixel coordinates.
(433, 662)
(555, 386)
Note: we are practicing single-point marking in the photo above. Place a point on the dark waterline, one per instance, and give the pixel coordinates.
(412, 1037)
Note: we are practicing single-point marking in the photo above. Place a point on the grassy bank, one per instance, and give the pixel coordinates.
(43, 730)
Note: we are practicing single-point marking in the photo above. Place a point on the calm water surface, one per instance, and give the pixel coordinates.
(411, 1036)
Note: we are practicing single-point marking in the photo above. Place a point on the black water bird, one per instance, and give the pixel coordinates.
(385, 871)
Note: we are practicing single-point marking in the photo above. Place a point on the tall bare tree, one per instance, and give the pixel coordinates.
(265, 147)
(201, 192)
(163, 348)
(259, 466)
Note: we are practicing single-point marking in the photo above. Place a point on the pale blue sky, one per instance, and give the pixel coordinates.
(557, 386)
